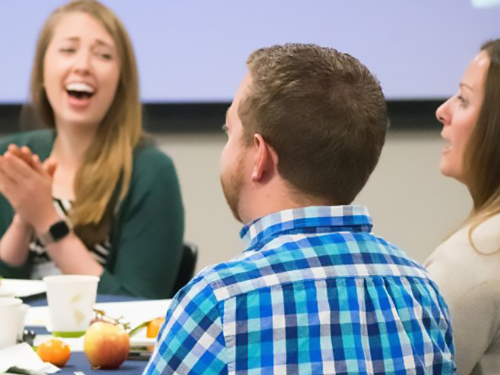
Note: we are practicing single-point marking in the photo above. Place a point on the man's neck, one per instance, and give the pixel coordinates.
(274, 199)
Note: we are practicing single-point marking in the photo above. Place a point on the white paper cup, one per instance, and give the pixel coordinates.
(10, 320)
(71, 300)
(6, 293)
(23, 310)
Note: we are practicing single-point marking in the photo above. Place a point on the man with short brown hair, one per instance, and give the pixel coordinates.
(318, 108)
(315, 291)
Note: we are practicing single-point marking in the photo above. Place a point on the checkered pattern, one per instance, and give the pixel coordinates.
(315, 292)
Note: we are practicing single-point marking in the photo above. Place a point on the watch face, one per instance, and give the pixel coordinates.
(59, 230)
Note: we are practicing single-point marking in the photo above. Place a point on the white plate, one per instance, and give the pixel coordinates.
(135, 313)
(22, 288)
(76, 344)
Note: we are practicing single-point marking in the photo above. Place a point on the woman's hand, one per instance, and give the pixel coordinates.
(33, 160)
(27, 185)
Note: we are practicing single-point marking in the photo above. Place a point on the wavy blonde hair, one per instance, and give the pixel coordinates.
(104, 177)
(482, 155)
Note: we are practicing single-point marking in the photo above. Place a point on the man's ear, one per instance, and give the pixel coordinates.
(266, 160)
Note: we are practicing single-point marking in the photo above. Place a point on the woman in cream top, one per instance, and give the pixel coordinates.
(466, 267)
(470, 283)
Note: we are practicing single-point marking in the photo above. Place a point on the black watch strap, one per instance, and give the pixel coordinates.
(56, 232)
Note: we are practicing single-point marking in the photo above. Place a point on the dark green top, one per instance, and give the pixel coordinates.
(147, 234)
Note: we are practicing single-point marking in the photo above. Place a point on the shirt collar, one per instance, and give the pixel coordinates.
(355, 217)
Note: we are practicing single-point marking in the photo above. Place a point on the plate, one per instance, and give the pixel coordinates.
(134, 312)
(22, 288)
(76, 344)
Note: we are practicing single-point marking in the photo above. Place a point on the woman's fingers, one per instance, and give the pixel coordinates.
(27, 186)
(50, 166)
(13, 149)
(27, 156)
(37, 165)
(24, 153)
(6, 183)
(16, 168)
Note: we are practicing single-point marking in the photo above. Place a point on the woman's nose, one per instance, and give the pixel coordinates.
(442, 113)
(82, 63)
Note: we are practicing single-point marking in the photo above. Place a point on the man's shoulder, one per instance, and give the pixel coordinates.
(35, 139)
(215, 278)
(278, 263)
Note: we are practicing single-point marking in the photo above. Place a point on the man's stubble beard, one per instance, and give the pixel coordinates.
(232, 184)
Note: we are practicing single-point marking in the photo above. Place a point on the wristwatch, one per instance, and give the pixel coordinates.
(56, 232)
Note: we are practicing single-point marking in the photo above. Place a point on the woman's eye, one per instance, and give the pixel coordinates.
(104, 55)
(67, 50)
(462, 101)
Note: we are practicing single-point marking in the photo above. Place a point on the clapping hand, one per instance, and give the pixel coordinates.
(26, 183)
(31, 159)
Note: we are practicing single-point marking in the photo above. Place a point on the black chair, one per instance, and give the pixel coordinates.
(187, 266)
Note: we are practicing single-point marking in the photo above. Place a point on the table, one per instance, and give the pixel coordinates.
(78, 361)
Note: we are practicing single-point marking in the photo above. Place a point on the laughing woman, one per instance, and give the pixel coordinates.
(89, 195)
(467, 266)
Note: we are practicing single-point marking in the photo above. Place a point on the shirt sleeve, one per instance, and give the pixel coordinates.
(191, 340)
(475, 319)
(148, 235)
(6, 216)
(7, 270)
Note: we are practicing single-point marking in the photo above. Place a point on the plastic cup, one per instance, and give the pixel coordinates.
(71, 300)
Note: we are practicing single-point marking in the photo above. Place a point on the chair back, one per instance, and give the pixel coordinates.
(187, 266)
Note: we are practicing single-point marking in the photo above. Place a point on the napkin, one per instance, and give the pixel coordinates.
(22, 358)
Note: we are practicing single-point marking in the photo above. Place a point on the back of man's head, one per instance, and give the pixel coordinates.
(323, 113)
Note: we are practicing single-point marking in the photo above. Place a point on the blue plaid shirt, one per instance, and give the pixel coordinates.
(315, 292)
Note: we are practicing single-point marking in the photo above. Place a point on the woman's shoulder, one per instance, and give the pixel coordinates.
(152, 165)
(153, 175)
(147, 153)
(459, 261)
(484, 238)
(39, 141)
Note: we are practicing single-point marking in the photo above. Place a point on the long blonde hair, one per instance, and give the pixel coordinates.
(108, 161)
(482, 155)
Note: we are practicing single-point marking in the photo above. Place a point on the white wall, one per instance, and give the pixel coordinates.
(411, 203)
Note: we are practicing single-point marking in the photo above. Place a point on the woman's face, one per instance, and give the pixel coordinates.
(459, 115)
(81, 71)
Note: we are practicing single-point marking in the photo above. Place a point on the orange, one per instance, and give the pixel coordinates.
(154, 327)
(54, 351)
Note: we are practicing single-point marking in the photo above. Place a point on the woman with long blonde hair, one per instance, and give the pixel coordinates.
(467, 265)
(89, 195)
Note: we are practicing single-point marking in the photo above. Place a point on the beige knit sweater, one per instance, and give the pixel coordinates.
(470, 283)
